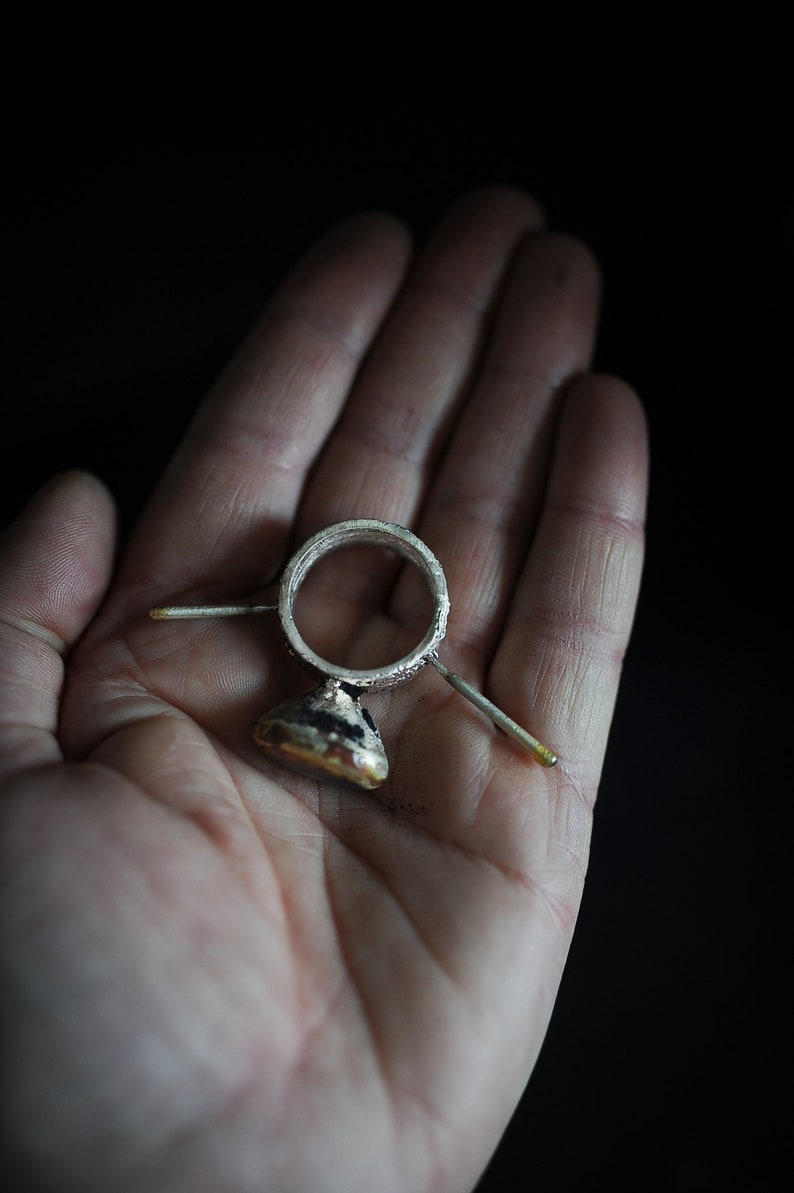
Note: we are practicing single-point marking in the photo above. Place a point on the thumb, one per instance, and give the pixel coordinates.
(55, 566)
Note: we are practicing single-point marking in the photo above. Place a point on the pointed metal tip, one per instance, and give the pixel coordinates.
(539, 752)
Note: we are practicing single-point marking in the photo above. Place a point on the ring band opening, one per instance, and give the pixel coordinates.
(368, 532)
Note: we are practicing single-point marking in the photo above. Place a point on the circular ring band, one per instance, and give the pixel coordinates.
(370, 532)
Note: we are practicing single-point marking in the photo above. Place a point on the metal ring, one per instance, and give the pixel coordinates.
(369, 532)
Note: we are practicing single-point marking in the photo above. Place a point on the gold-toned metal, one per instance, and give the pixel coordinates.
(172, 612)
(326, 733)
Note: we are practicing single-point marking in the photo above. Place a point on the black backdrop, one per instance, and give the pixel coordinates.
(131, 276)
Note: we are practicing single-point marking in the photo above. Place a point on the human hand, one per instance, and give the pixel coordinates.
(218, 974)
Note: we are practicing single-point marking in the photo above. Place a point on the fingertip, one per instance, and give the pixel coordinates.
(613, 397)
(56, 556)
(67, 483)
(500, 201)
(378, 239)
(376, 223)
(80, 502)
(567, 263)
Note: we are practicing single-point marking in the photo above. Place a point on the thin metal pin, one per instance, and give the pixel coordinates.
(542, 753)
(172, 612)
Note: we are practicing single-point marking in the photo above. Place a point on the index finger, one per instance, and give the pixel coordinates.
(221, 514)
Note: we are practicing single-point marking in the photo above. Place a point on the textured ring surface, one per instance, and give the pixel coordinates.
(370, 532)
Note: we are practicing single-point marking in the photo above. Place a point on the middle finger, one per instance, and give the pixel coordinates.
(409, 391)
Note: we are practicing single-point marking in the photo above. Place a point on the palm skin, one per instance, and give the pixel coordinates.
(220, 975)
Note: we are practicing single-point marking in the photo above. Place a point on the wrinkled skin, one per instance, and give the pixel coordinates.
(217, 974)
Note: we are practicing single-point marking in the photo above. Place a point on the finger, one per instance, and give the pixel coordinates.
(481, 512)
(219, 518)
(559, 662)
(420, 367)
(55, 562)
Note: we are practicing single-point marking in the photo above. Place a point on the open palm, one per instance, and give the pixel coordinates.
(221, 975)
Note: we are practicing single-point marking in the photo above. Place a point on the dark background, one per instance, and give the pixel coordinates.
(131, 275)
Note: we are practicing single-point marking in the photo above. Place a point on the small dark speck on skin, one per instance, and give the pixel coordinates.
(398, 808)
